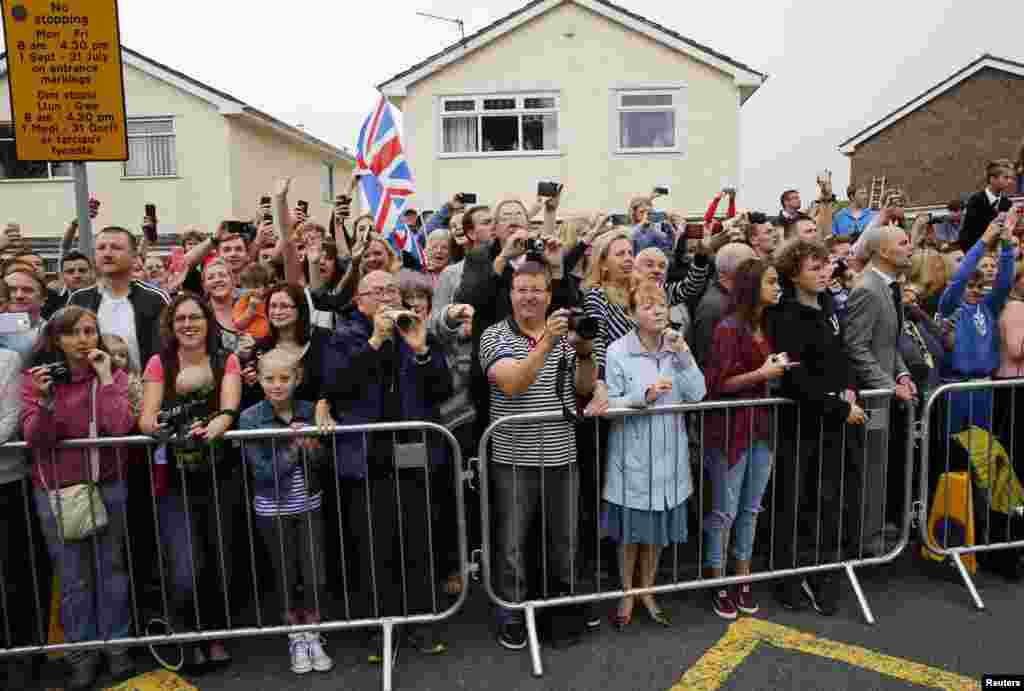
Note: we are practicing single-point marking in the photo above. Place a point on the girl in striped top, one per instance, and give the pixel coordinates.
(287, 502)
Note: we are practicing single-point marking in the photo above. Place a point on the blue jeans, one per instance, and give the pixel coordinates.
(736, 494)
(95, 602)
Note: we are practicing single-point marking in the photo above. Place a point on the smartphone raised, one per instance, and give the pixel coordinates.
(467, 197)
(304, 205)
(661, 190)
(548, 189)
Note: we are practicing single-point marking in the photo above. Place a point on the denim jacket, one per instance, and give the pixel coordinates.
(648, 456)
(270, 478)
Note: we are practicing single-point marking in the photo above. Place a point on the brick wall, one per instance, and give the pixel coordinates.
(938, 152)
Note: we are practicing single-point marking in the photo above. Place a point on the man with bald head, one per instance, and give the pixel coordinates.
(874, 323)
(715, 302)
(381, 366)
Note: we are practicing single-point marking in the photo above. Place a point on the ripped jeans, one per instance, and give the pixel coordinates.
(736, 495)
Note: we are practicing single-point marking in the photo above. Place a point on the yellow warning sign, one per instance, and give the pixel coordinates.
(65, 79)
(743, 637)
(160, 680)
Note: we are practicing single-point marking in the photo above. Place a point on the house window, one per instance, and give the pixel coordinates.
(151, 148)
(648, 120)
(499, 123)
(13, 169)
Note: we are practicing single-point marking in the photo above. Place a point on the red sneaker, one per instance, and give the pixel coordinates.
(723, 605)
(743, 597)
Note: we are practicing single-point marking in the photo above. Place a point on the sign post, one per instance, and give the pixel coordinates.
(85, 242)
(66, 84)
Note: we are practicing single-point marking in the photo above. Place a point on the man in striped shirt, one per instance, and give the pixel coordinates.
(533, 468)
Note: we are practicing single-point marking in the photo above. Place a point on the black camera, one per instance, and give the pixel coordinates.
(244, 229)
(548, 189)
(535, 250)
(181, 415)
(59, 372)
(939, 217)
(583, 326)
(757, 217)
(467, 197)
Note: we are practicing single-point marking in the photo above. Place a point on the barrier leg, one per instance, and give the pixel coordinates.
(864, 606)
(967, 580)
(534, 640)
(388, 657)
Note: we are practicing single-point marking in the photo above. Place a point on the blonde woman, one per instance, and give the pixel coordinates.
(929, 271)
(606, 291)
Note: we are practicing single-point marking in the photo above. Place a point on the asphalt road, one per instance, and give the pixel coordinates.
(920, 619)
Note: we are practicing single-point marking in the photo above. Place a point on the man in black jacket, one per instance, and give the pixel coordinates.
(821, 380)
(984, 205)
(131, 309)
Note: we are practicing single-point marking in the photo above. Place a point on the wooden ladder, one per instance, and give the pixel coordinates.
(877, 192)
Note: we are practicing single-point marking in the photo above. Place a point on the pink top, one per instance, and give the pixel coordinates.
(68, 418)
(155, 368)
(1011, 346)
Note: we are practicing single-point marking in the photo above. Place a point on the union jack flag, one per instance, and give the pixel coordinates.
(404, 240)
(386, 179)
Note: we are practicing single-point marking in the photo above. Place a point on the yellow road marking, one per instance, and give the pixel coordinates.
(160, 680)
(743, 637)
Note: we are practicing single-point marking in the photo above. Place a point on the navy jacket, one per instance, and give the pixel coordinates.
(367, 386)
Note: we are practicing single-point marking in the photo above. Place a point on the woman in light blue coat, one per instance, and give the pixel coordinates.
(648, 478)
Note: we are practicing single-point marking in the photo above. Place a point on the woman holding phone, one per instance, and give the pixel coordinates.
(738, 455)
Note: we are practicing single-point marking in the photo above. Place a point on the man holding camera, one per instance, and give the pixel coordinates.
(488, 271)
(534, 363)
(381, 366)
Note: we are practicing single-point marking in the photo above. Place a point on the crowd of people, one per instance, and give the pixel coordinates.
(280, 322)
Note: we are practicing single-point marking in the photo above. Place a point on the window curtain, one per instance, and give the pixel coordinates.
(150, 156)
(460, 135)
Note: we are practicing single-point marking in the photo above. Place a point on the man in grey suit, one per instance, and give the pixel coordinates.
(873, 324)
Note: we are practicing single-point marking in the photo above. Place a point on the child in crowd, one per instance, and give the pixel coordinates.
(250, 312)
(121, 359)
(288, 503)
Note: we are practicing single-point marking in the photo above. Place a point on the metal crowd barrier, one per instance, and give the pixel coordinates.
(969, 409)
(412, 434)
(691, 577)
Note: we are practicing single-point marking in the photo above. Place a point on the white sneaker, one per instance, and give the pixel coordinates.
(299, 647)
(321, 661)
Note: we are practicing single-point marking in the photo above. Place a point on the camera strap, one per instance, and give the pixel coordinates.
(568, 414)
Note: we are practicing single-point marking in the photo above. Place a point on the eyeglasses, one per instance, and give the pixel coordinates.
(189, 318)
(381, 291)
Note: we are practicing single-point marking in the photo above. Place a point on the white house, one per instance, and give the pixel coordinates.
(199, 154)
(582, 92)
